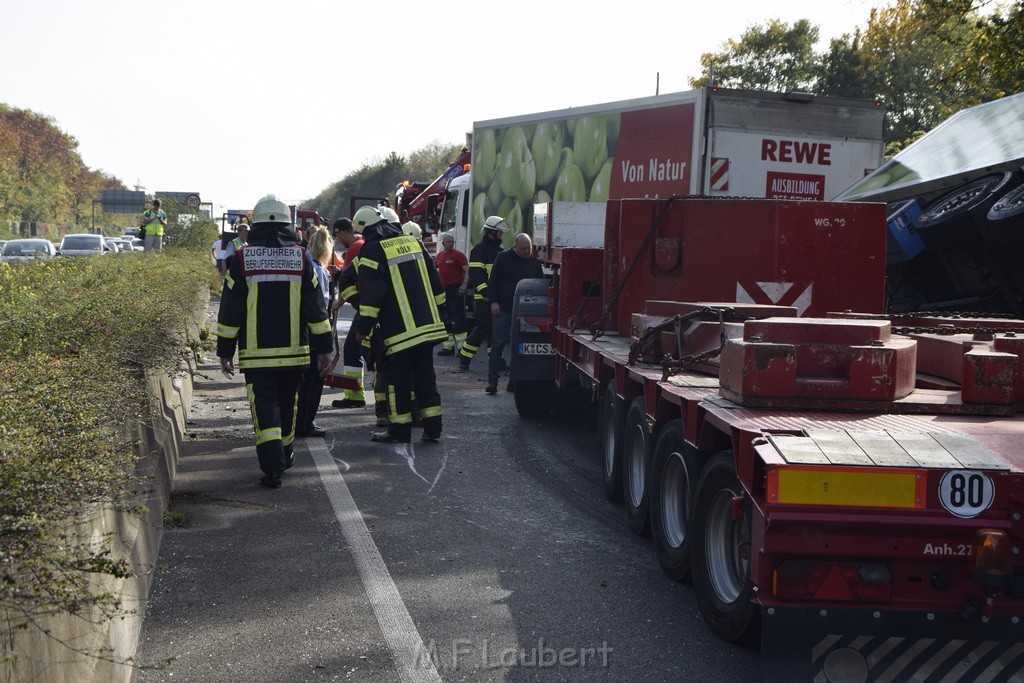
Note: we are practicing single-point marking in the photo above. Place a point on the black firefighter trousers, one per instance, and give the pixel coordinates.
(273, 398)
(408, 371)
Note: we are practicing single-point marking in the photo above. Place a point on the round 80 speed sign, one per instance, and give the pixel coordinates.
(966, 493)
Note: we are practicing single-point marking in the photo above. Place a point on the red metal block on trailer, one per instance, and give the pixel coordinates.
(820, 358)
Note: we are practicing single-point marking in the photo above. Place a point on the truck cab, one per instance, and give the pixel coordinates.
(455, 210)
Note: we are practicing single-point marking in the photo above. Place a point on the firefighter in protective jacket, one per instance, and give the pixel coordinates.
(480, 260)
(400, 292)
(272, 310)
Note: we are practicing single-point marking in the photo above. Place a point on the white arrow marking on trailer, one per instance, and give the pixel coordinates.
(407, 649)
(775, 292)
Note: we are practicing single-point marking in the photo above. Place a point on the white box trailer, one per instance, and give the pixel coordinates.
(710, 141)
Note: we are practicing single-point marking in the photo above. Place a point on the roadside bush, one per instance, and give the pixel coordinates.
(76, 336)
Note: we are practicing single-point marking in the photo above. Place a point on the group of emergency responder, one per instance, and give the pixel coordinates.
(273, 313)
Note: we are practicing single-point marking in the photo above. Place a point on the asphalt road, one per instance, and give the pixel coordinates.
(490, 556)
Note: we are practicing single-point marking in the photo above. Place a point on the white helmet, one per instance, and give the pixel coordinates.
(412, 229)
(496, 223)
(270, 209)
(365, 217)
(389, 215)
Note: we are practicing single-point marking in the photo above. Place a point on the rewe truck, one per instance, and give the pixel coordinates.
(844, 485)
(711, 141)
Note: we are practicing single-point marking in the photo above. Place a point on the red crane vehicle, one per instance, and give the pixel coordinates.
(421, 201)
(845, 485)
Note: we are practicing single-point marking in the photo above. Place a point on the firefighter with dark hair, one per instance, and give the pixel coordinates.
(480, 260)
(273, 311)
(399, 293)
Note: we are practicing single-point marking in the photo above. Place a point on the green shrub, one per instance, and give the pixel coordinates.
(76, 335)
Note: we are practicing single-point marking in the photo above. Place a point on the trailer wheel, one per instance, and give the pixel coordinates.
(954, 217)
(1006, 217)
(636, 468)
(612, 425)
(533, 397)
(674, 474)
(721, 552)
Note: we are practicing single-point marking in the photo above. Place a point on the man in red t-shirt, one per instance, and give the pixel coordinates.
(453, 267)
(351, 380)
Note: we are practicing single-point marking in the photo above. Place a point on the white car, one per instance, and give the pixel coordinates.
(137, 244)
(83, 244)
(28, 249)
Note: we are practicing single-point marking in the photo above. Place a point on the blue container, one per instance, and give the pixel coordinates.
(903, 242)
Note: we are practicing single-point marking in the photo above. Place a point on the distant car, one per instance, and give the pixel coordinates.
(2, 243)
(83, 245)
(27, 250)
(137, 244)
(126, 243)
(117, 245)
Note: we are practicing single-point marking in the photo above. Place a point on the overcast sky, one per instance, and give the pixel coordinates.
(237, 98)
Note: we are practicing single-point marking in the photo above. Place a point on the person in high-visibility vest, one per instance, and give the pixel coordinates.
(399, 294)
(154, 221)
(272, 311)
(235, 244)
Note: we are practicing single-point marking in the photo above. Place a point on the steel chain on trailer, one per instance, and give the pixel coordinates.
(951, 328)
(598, 329)
(670, 366)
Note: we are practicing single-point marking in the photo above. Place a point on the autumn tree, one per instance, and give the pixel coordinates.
(773, 56)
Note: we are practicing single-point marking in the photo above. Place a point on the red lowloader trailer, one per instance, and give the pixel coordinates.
(846, 486)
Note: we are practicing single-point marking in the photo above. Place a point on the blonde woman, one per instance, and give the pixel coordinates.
(321, 246)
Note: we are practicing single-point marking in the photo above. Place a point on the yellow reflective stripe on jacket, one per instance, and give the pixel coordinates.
(295, 299)
(349, 292)
(251, 301)
(440, 298)
(368, 311)
(272, 351)
(270, 363)
(227, 332)
(425, 333)
(369, 263)
(323, 327)
(229, 280)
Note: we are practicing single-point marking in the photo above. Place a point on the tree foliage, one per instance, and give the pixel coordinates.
(42, 176)
(773, 56)
(926, 59)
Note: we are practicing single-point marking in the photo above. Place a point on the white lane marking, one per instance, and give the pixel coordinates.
(395, 622)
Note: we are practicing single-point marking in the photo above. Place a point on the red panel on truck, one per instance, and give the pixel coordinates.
(814, 256)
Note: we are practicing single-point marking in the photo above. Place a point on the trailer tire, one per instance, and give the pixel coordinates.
(1006, 217)
(954, 218)
(636, 468)
(533, 397)
(674, 472)
(721, 553)
(613, 417)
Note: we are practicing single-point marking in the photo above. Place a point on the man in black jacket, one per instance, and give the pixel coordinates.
(510, 266)
(480, 259)
(272, 329)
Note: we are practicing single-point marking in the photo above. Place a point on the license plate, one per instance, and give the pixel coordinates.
(536, 349)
